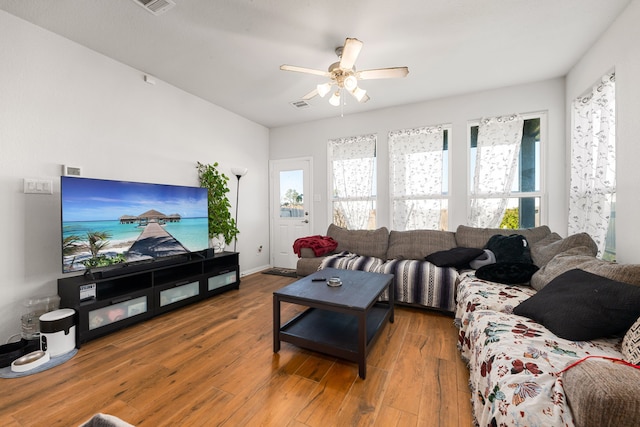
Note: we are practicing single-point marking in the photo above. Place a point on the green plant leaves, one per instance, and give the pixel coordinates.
(221, 223)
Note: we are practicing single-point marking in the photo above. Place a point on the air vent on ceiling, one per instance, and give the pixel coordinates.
(157, 7)
(300, 104)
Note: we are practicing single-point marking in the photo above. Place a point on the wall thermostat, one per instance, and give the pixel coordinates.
(71, 170)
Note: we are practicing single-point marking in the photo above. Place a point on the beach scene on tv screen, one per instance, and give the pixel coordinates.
(112, 222)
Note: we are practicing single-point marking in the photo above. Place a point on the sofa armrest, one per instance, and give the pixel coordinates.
(306, 266)
(602, 393)
(307, 253)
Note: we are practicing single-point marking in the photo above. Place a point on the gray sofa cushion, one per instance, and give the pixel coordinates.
(417, 244)
(362, 242)
(581, 257)
(603, 394)
(544, 250)
(473, 237)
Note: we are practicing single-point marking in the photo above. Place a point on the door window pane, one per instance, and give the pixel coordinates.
(291, 194)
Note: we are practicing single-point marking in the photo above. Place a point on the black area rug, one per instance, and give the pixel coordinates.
(288, 272)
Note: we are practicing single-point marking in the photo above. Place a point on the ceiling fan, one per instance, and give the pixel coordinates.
(344, 76)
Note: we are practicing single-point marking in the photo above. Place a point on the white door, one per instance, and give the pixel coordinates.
(290, 208)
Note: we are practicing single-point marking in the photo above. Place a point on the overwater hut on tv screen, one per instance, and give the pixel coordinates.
(108, 223)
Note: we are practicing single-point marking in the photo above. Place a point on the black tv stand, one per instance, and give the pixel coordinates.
(108, 300)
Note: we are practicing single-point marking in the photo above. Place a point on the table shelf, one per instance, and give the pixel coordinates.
(332, 332)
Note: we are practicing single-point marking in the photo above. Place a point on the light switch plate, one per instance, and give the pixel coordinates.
(38, 186)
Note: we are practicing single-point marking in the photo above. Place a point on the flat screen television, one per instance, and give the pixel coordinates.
(117, 223)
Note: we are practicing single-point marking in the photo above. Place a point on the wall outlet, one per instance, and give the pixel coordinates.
(259, 248)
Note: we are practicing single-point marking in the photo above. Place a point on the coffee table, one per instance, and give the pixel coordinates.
(341, 321)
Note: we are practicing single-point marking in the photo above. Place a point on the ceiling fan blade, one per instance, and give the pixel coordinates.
(310, 95)
(304, 70)
(382, 73)
(350, 53)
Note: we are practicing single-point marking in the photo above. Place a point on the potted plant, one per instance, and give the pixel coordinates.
(222, 226)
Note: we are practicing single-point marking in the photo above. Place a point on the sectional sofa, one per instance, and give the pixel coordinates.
(403, 253)
(561, 349)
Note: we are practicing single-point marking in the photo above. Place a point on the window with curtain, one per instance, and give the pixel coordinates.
(418, 174)
(593, 166)
(505, 172)
(352, 164)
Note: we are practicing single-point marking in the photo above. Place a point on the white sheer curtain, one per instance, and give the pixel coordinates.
(353, 167)
(593, 161)
(416, 178)
(496, 163)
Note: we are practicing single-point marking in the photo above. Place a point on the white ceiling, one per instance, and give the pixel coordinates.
(229, 51)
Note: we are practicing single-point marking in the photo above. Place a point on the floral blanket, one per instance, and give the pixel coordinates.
(515, 364)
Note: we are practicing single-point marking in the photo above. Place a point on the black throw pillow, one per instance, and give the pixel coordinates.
(456, 257)
(513, 248)
(510, 273)
(580, 306)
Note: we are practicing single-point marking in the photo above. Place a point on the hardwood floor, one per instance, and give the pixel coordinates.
(212, 363)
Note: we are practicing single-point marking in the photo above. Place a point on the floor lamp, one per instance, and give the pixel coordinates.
(239, 173)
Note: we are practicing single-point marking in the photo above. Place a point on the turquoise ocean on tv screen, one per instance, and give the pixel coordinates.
(192, 233)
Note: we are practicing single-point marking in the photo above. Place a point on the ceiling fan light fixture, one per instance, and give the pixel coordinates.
(359, 94)
(335, 99)
(323, 89)
(350, 83)
(343, 74)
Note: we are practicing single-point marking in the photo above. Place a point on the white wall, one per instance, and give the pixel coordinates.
(310, 139)
(61, 103)
(618, 49)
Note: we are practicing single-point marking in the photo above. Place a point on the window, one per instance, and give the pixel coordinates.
(352, 171)
(418, 173)
(291, 194)
(592, 191)
(517, 203)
